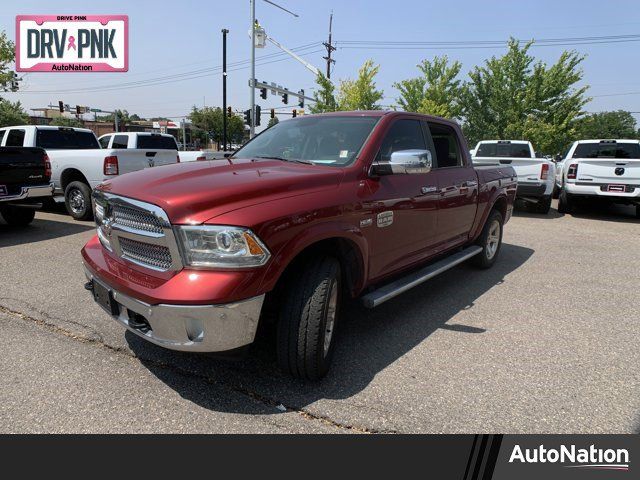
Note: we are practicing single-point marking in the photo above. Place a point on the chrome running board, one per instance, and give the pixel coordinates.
(395, 288)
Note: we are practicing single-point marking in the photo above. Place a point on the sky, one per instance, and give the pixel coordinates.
(176, 47)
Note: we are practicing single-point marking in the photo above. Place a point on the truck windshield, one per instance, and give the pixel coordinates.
(607, 150)
(514, 150)
(329, 140)
(66, 139)
(158, 142)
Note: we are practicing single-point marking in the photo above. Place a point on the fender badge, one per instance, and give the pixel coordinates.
(385, 219)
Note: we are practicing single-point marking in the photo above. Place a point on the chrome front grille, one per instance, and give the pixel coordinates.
(135, 231)
(136, 219)
(143, 253)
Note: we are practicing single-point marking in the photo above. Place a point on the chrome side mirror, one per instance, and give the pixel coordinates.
(411, 161)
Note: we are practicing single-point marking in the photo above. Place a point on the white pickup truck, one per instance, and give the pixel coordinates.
(78, 163)
(536, 175)
(607, 170)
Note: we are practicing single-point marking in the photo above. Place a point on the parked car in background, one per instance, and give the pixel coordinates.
(606, 170)
(78, 163)
(535, 174)
(24, 183)
(200, 155)
(139, 140)
(314, 209)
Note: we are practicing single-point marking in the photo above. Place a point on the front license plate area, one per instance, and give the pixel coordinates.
(103, 297)
(616, 188)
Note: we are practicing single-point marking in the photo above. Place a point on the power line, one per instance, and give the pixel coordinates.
(273, 57)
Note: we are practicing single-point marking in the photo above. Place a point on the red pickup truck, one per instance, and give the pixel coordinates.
(316, 208)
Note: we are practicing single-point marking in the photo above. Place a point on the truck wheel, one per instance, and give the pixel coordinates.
(77, 198)
(308, 320)
(544, 205)
(565, 202)
(556, 191)
(490, 240)
(637, 211)
(16, 216)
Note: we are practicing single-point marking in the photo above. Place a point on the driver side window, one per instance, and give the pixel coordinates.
(404, 134)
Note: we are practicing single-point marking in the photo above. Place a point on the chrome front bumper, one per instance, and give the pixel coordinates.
(36, 191)
(191, 328)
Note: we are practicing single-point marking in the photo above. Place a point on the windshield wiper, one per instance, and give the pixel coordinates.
(295, 160)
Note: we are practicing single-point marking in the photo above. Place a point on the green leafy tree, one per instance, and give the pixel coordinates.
(123, 117)
(437, 92)
(361, 93)
(616, 124)
(12, 114)
(67, 122)
(272, 122)
(209, 119)
(324, 95)
(7, 56)
(513, 97)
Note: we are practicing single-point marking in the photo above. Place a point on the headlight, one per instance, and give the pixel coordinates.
(219, 246)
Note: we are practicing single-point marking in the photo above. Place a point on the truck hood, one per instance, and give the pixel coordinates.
(192, 193)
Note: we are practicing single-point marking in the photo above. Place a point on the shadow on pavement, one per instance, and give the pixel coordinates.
(606, 212)
(369, 341)
(40, 229)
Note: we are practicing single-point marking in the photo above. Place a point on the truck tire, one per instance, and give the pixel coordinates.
(490, 240)
(565, 202)
(556, 191)
(637, 211)
(308, 319)
(543, 206)
(77, 199)
(17, 216)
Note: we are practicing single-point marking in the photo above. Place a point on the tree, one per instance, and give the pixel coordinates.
(325, 100)
(617, 124)
(7, 56)
(209, 119)
(12, 114)
(124, 118)
(436, 92)
(272, 122)
(67, 122)
(361, 93)
(513, 97)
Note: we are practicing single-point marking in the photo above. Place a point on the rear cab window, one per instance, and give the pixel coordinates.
(504, 149)
(157, 142)
(607, 150)
(15, 138)
(66, 139)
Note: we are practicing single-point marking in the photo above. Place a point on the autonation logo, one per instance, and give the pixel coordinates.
(591, 458)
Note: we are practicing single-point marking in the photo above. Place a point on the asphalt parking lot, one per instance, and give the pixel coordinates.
(547, 341)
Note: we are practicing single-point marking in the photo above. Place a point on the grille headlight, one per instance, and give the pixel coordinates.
(220, 246)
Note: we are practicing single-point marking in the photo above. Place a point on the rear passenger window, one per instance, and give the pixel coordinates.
(15, 138)
(403, 135)
(445, 142)
(120, 141)
(104, 141)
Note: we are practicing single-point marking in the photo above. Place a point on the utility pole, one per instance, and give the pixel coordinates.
(115, 116)
(184, 134)
(252, 97)
(224, 89)
(330, 48)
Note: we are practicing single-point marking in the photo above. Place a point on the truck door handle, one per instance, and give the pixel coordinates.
(428, 189)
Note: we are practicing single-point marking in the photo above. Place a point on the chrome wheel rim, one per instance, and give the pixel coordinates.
(331, 317)
(493, 239)
(76, 201)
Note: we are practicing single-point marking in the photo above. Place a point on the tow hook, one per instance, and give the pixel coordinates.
(89, 285)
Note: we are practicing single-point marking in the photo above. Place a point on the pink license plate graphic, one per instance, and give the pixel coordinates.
(72, 43)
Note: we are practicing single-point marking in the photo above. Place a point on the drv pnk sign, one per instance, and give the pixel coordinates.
(72, 43)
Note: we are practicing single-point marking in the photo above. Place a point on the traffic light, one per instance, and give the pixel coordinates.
(78, 110)
(229, 112)
(247, 117)
(273, 113)
(294, 113)
(263, 93)
(301, 102)
(285, 98)
(14, 82)
(257, 119)
(61, 106)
